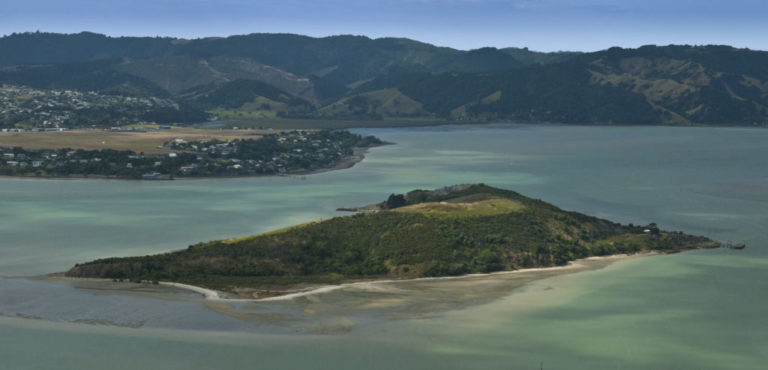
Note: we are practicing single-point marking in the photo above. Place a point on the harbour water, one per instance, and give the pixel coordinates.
(701, 310)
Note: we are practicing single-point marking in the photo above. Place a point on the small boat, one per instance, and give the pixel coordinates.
(152, 176)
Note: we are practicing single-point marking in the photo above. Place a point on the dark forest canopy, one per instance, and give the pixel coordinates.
(355, 77)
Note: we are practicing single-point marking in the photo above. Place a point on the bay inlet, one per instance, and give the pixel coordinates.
(701, 309)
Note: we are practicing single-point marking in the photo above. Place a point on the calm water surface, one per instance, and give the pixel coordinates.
(701, 310)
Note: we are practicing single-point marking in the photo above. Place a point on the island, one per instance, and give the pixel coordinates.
(288, 152)
(457, 230)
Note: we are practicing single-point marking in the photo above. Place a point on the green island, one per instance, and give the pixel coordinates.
(452, 231)
(293, 152)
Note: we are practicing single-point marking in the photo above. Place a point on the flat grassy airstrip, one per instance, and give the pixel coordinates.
(147, 142)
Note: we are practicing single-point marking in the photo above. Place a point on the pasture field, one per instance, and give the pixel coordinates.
(147, 142)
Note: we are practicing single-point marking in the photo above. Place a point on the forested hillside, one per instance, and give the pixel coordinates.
(452, 231)
(269, 76)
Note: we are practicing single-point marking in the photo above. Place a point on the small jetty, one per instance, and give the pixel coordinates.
(297, 177)
(735, 246)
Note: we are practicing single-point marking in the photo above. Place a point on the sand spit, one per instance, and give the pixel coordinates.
(581, 264)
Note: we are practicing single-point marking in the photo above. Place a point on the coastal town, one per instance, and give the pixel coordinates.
(271, 154)
(23, 108)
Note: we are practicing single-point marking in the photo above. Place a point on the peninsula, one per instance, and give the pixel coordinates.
(288, 152)
(451, 231)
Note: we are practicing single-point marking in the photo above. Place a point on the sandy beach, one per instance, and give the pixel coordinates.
(338, 309)
(590, 263)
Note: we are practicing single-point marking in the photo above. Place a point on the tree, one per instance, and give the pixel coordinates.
(395, 201)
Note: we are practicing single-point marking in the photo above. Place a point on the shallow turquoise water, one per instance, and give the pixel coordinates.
(694, 310)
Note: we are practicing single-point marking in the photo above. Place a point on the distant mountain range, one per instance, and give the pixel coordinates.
(355, 77)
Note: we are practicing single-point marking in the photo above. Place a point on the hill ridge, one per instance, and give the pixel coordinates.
(352, 77)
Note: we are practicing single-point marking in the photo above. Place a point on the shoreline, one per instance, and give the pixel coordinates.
(573, 265)
(358, 154)
(212, 295)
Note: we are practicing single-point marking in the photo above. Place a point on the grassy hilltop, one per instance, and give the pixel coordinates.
(451, 231)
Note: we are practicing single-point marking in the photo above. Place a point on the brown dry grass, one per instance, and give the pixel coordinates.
(487, 207)
(146, 142)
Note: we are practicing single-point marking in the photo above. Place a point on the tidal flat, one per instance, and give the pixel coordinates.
(331, 309)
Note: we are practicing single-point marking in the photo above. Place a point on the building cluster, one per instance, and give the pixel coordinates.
(271, 154)
(16, 157)
(27, 108)
(277, 153)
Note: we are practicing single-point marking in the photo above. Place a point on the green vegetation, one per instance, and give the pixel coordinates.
(529, 58)
(235, 94)
(284, 60)
(682, 85)
(374, 105)
(258, 79)
(284, 153)
(465, 208)
(450, 231)
(23, 107)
